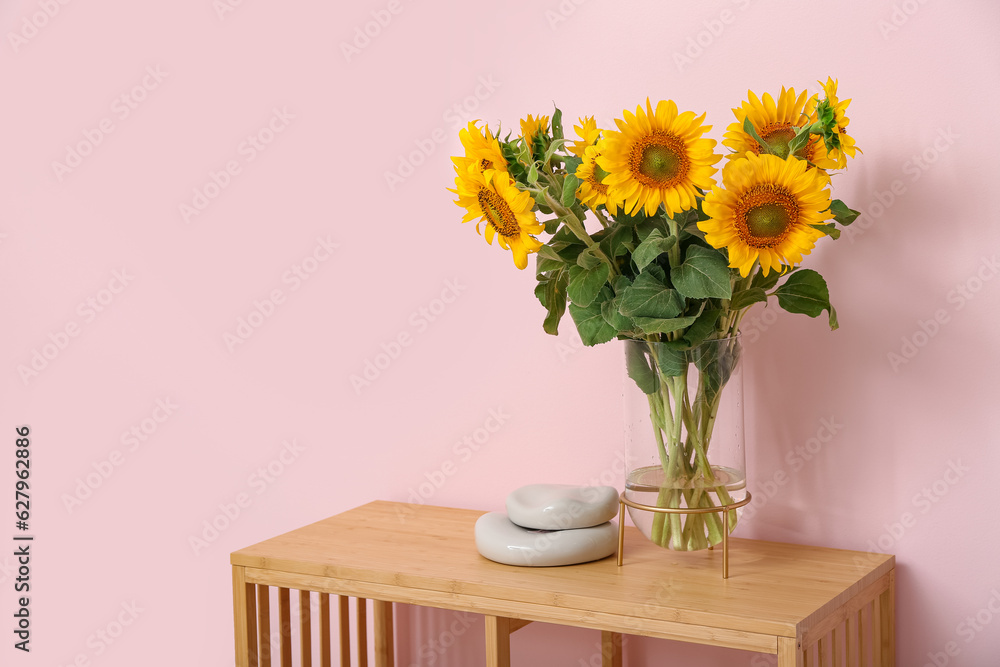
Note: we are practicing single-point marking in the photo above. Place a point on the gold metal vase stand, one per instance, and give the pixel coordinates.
(623, 501)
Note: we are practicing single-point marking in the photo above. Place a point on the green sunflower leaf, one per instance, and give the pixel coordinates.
(704, 274)
(747, 297)
(650, 298)
(702, 327)
(587, 259)
(749, 129)
(765, 282)
(549, 252)
(552, 225)
(545, 265)
(565, 236)
(716, 364)
(658, 325)
(612, 315)
(806, 292)
(645, 227)
(553, 147)
(687, 223)
(672, 360)
(565, 245)
(630, 220)
(591, 325)
(620, 283)
(522, 152)
(651, 248)
(571, 163)
(656, 271)
(557, 127)
(799, 141)
(615, 241)
(540, 291)
(829, 229)
(641, 367)
(586, 284)
(533, 174)
(553, 297)
(842, 213)
(570, 184)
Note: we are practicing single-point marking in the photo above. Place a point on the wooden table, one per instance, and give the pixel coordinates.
(809, 605)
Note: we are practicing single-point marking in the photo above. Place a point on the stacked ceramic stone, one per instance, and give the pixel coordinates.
(551, 524)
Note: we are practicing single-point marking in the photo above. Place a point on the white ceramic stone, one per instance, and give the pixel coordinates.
(504, 542)
(562, 506)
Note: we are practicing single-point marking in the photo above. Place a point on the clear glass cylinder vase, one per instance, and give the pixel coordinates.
(684, 438)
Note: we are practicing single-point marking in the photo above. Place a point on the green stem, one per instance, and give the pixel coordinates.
(674, 254)
(575, 224)
(683, 431)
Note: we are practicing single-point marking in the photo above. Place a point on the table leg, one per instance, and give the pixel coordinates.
(384, 649)
(285, 626)
(361, 607)
(264, 624)
(344, 619)
(305, 628)
(887, 616)
(245, 618)
(789, 654)
(325, 656)
(497, 641)
(611, 649)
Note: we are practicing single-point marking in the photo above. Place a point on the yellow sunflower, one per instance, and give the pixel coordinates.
(588, 132)
(532, 127)
(493, 198)
(481, 149)
(658, 157)
(765, 210)
(592, 192)
(838, 126)
(775, 123)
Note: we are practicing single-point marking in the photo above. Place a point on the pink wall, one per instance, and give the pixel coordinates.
(163, 96)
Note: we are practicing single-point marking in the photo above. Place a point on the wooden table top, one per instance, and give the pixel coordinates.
(427, 555)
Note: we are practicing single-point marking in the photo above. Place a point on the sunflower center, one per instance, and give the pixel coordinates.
(659, 160)
(485, 164)
(767, 221)
(596, 178)
(765, 215)
(498, 213)
(777, 137)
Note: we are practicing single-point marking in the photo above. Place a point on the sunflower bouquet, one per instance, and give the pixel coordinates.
(675, 257)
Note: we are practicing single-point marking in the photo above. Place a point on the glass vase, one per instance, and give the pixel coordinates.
(684, 442)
